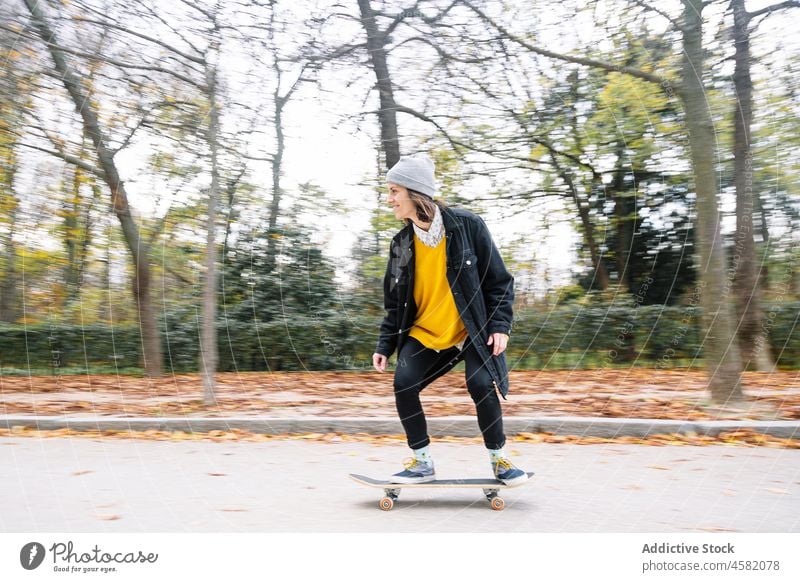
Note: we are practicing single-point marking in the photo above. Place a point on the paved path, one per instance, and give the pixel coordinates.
(84, 485)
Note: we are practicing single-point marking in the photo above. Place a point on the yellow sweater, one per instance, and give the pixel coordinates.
(438, 325)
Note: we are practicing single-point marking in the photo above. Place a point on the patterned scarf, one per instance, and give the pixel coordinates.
(434, 234)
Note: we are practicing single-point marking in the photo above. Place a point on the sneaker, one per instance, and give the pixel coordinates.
(415, 472)
(505, 471)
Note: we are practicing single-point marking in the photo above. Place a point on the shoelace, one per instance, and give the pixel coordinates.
(504, 464)
(411, 462)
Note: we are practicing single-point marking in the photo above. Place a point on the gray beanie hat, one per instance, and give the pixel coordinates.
(414, 172)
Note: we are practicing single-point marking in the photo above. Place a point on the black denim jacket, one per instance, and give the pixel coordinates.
(482, 288)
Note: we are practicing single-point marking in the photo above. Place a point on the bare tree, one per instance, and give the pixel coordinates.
(280, 101)
(107, 170)
(747, 279)
(209, 357)
(12, 103)
(723, 360)
(387, 114)
(379, 45)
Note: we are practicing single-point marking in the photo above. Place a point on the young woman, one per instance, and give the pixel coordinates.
(448, 297)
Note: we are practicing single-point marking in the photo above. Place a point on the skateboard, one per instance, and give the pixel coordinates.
(391, 491)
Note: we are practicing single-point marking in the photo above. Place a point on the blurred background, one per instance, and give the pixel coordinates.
(197, 186)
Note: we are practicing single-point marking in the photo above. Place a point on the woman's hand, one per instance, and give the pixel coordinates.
(500, 341)
(379, 361)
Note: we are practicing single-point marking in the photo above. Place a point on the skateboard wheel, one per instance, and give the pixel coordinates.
(497, 503)
(386, 503)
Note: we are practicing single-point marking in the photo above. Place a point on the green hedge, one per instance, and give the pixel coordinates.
(42, 347)
(326, 341)
(566, 336)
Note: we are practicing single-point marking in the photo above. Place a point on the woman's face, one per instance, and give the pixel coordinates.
(399, 200)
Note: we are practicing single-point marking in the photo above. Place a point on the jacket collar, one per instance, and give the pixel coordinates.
(452, 223)
(435, 232)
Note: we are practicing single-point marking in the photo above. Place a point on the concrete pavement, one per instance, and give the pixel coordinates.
(134, 485)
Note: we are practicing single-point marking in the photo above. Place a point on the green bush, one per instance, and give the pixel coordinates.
(585, 335)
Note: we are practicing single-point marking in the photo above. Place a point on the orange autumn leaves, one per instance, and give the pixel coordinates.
(730, 438)
(631, 393)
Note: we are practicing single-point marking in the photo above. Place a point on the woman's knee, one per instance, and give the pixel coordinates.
(406, 385)
(480, 385)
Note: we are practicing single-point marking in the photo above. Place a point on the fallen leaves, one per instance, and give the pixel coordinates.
(633, 393)
(740, 438)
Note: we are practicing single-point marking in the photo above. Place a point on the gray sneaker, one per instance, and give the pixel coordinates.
(505, 471)
(415, 472)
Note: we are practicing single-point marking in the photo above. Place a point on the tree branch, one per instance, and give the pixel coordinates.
(653, 78)
(161, 43)
(129, 137)
(124, 65)
(647, 6)
(772, 8)
(68, 158)
(442, 53)
(398, 18)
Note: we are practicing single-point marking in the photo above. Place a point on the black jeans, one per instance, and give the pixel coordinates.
(417, 366)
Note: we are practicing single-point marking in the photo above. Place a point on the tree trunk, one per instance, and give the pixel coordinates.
(746, 284)
(720, 349)
(14, 101)
(387, 113)
(208, 349)
(104, 309)
(600, 271)
(623, 209)
(230, 195)
(78, 232)
(72, 228)
(140, 252)
(9, 204)
(280, 102)
(277, 161)
(764, 228)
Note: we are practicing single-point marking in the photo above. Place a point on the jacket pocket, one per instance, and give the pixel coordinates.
(467, 261)
(465, 274)
(399, 281)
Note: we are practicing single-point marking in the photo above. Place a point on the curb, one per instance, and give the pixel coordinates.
(463, 426)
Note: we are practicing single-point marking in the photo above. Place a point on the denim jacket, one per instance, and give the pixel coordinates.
(482, 288)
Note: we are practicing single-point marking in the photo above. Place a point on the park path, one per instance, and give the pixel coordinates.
(134, 485)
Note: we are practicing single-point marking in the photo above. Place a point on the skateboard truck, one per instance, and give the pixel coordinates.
(388, 501)
(391, 491)
(391, 494)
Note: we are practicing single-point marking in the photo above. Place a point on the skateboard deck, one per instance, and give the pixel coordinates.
(392, 490)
